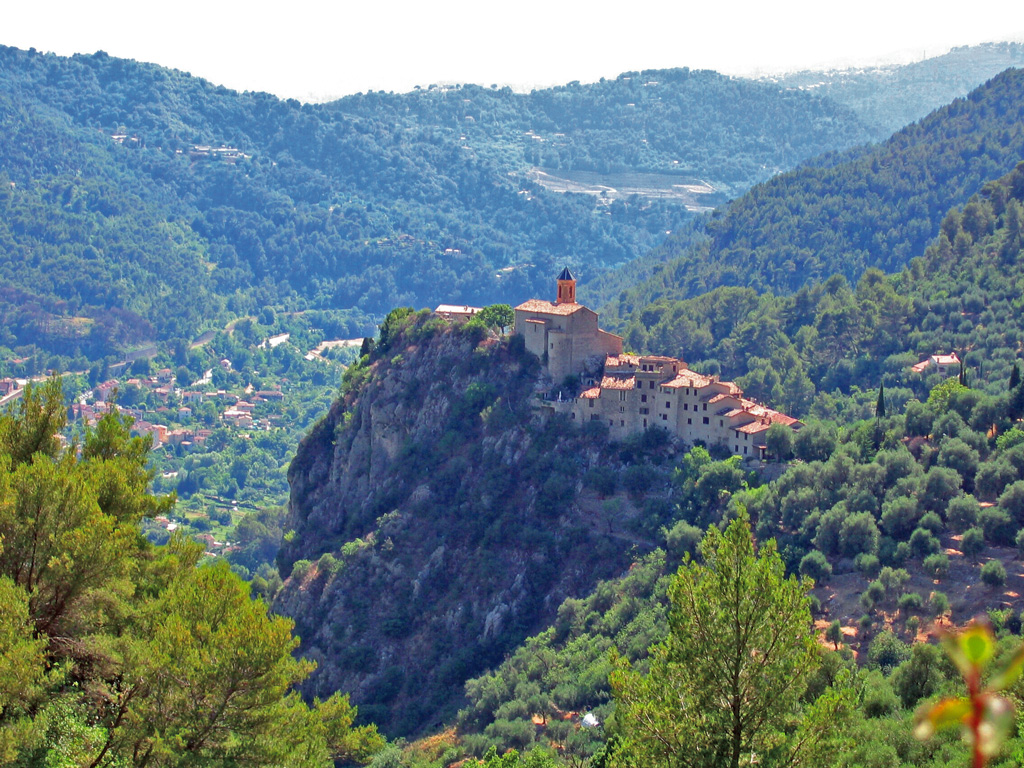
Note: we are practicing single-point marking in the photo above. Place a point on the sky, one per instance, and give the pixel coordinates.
(313, 51)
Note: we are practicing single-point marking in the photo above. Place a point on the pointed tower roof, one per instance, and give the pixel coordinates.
(566, 274)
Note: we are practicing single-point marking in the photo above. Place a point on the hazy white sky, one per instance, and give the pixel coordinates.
(315, 50)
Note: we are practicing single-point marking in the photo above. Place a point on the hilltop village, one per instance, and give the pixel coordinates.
(634, 392)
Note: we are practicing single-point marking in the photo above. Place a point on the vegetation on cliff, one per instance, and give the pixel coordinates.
(117, 653)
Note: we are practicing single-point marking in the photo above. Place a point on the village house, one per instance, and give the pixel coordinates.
(456, 312)
(635, 392)
(945, 365)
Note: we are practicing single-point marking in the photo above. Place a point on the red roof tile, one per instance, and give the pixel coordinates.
(546, 307)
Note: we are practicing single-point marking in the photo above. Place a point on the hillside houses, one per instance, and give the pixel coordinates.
(635, 392)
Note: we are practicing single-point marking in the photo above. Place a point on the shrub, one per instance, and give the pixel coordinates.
(936, 565)
(893, 579)
(899, 517)
(910, 601)
(859, 534)
(887, 652)
(972, 543)
(1020, 542)
(998, 526)
(879, 698)
(814, 565)
(962, 512)
(875, 591)
(1012, 501)
(993, 573)
(931, 522)
(924, 543)
(939, 603)
(868, 565)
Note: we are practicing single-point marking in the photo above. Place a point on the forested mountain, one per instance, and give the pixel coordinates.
(144, 203)
(890, 97)
(842, 214)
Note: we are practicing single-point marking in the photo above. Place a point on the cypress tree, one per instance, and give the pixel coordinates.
(880, 404)
(1014, 377)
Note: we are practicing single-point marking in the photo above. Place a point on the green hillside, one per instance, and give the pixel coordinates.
(143, 203)
(842, 214)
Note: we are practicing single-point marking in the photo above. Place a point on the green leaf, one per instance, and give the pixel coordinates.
(942, 714)
(1010, 673)
(977, 644)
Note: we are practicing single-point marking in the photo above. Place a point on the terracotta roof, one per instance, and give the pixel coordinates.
(950, 359)
(720, 396)
(753, 427)
(539, 305)
(612, 382)
(615, 361)
(687, 379)
(590, 394)
(920, 366)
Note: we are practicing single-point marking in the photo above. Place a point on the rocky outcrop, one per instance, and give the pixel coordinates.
(435, 524)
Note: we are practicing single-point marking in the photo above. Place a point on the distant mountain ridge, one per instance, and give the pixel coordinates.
(892, 96)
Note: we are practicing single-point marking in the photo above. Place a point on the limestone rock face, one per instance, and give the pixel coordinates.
(448, 507)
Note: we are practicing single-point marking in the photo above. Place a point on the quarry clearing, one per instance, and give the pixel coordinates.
(695, 194)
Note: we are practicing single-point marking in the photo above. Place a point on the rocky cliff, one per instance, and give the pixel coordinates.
(436, 523)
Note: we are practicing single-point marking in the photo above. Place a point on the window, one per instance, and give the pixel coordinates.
(552, 345)
(622, 409)
(686, 406)
(664, 416)
(721, 423)
(643, 398)
(645, 423)
(689, 421)
(594, 417)
(591, 403)
(645, 410)
(706, 420)
(622, 423)
(574, 414)
(744, 450)
(668, 403)
(705, 408)
(622, 394)
(650, 385)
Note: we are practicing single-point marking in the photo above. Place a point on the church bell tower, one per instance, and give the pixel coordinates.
(566, 288)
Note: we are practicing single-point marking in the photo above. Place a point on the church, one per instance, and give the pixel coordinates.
(631, 393)
(564, 334)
